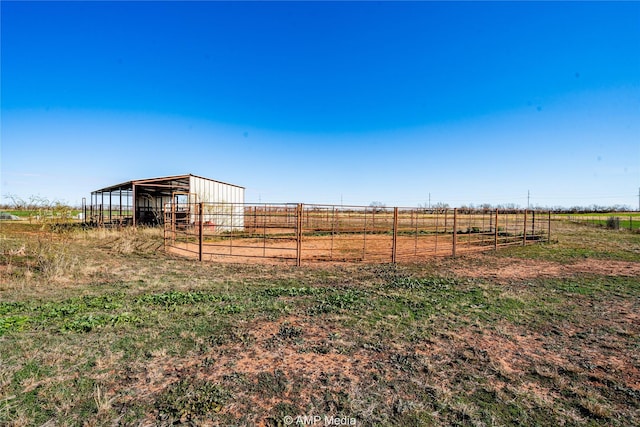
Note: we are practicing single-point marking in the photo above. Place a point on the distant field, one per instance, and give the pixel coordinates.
(26, 214)
(626, 220)
(100, 327)
(20, 213)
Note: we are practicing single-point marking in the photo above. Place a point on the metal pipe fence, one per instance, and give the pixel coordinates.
(297, 233)
(612, 221)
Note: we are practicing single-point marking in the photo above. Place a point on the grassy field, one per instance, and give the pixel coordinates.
(99, 327)
(45, 213)
(622, 220)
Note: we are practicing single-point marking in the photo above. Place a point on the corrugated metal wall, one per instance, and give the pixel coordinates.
(223, 202)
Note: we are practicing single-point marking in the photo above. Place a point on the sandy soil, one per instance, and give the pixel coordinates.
(517, 269)
(357, 248)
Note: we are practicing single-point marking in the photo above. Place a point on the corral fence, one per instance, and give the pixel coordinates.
(611, 221)
(302, 233)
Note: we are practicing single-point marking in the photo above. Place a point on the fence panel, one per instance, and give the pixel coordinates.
(300, 233)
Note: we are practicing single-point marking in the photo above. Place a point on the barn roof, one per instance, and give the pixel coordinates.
(176, 182)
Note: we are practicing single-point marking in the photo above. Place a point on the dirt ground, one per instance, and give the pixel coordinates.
(509, 269)
(360, 248)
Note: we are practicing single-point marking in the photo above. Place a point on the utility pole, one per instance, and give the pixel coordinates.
(528, 196)
(429, 200)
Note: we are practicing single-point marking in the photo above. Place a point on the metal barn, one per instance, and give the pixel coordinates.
(145, 201)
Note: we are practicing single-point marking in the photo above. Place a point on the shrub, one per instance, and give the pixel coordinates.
(613, 223)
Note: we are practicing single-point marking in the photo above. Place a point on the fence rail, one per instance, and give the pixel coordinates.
(300, 233)
(612, 221)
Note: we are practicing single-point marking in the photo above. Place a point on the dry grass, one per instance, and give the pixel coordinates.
(99, 328)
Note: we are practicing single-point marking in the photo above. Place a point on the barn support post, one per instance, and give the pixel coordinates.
(164, 231)
(173, 220)
(524, 229)
(455, 232)
(394, 243)
(299, 234)
(133, 203)
(200, 229)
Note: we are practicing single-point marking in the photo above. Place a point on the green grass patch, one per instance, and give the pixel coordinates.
(13, 324)
(174, 298)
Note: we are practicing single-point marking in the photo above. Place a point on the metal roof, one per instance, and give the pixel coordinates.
(159, 182)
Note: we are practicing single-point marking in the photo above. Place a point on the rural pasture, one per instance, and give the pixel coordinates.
(103, 327)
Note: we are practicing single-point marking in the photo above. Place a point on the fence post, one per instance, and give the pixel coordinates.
(200, 229)
(134, 215)
(495, 231)
(533, 223)
(299, 234)
(164, 228)
(364, 235)
(173, 222)
(524, 228)
(394, 244)
(455, 231)
(549, 229)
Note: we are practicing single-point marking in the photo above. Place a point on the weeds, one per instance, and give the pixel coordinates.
(271, 384)
(89, 322)
(174, 298)
(155, 340)
(13, 324)
(290, 291)
(338, 301)
(288, 331)
(103, 403)
(438, 284)
(190, 400)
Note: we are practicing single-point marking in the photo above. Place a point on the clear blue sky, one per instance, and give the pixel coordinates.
(470, 102)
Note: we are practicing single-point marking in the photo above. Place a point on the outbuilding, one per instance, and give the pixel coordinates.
(146, 201)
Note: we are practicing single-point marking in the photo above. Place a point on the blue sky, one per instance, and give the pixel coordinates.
(335, 102)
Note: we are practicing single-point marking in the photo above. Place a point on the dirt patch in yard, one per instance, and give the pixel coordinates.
(293, 356)
(507, 269)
